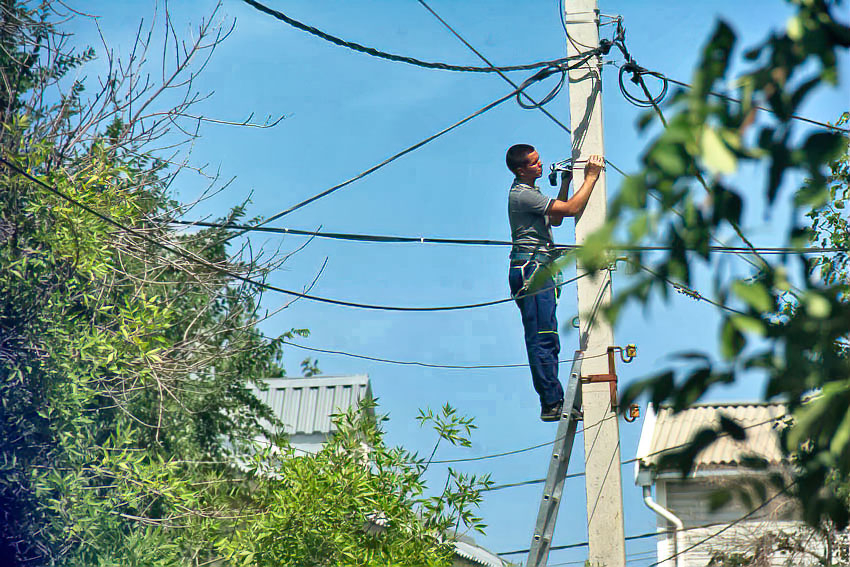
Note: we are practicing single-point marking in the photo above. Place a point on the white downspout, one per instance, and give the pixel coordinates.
(667, 515)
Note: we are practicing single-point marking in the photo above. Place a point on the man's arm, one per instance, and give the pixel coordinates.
(570, 207)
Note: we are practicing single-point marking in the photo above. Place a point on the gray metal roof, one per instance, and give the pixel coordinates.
(664, 430)
(477, 554)
(305, 405)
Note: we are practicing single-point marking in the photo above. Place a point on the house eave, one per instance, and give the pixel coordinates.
(648, 475)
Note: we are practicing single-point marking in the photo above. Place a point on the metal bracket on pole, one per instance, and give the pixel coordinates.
(611, 377)
(541, 541)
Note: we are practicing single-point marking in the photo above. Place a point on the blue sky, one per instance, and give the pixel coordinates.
(345, 112)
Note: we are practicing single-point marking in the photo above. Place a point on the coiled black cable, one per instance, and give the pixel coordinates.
(604, 47)
(539, 76)
(637, 73)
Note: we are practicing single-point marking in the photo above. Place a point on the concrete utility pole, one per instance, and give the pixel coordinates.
(602, 434)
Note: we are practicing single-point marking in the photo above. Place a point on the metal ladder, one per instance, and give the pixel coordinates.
(541, 541)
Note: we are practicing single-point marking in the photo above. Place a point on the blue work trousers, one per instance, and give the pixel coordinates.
(542, 344)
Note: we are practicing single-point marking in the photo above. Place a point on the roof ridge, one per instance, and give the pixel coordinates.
(726, 404)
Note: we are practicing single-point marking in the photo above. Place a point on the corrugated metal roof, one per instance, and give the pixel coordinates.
(477, 554)
(671, 430)
(305, 405)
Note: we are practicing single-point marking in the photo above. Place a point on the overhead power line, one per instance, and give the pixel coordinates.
(631, 67)
(684, 290)
(391, 239)
(638, 72)
(259, 284)
(517, 451)
(666, 532)
(627, 461)
(764, 109)
(725, 528)
(539, 76)
(428, 364)
(582, 57)
(393, 57)
(387, 161)
(583, 544)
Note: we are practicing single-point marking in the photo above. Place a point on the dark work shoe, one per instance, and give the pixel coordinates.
(552, 413)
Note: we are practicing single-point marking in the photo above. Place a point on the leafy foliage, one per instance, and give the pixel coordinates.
(830, 225)
(128, 432)
(705, 139)
(352, 503)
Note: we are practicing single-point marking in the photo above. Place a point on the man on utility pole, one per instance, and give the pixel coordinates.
(601, 428)
(532, 216)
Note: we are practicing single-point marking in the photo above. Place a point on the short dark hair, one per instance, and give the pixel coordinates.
(517, 156)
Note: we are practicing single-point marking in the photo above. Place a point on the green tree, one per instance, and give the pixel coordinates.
(357, 501)
(127, 348)
(702, 140)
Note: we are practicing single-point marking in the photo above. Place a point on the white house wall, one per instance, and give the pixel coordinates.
(689, 500)
(740, 539)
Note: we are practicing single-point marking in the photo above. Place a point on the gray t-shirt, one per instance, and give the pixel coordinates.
(530, 228)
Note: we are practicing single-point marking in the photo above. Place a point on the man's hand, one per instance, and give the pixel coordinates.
(573, 206)
(593, 166)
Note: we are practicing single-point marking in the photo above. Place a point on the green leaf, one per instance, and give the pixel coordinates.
(821, 147)
(817, 306)
(747, 324)
(756, 295)
(669, 159)
(633, 191)
(733, 428)
(718, 158)
(794, 28)
(732, 342)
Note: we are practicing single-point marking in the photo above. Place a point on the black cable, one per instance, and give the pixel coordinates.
(427, 364)
(693, 294)
(552, 94)
(764, 109)
(637, 73)
(387, 161)
(516, 91)
(583, 56)
(631, 558)
(262, 285)
(653, 101)
(664, 532)
(681, 216)
(523, 450)
(625, 462)
(585, 543)
(392, 57)
(386, 239)
(615, 168)
(637, 78)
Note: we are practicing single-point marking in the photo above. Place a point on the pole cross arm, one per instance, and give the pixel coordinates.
(610, 377)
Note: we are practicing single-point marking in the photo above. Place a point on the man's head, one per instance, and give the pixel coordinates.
(524, 161)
